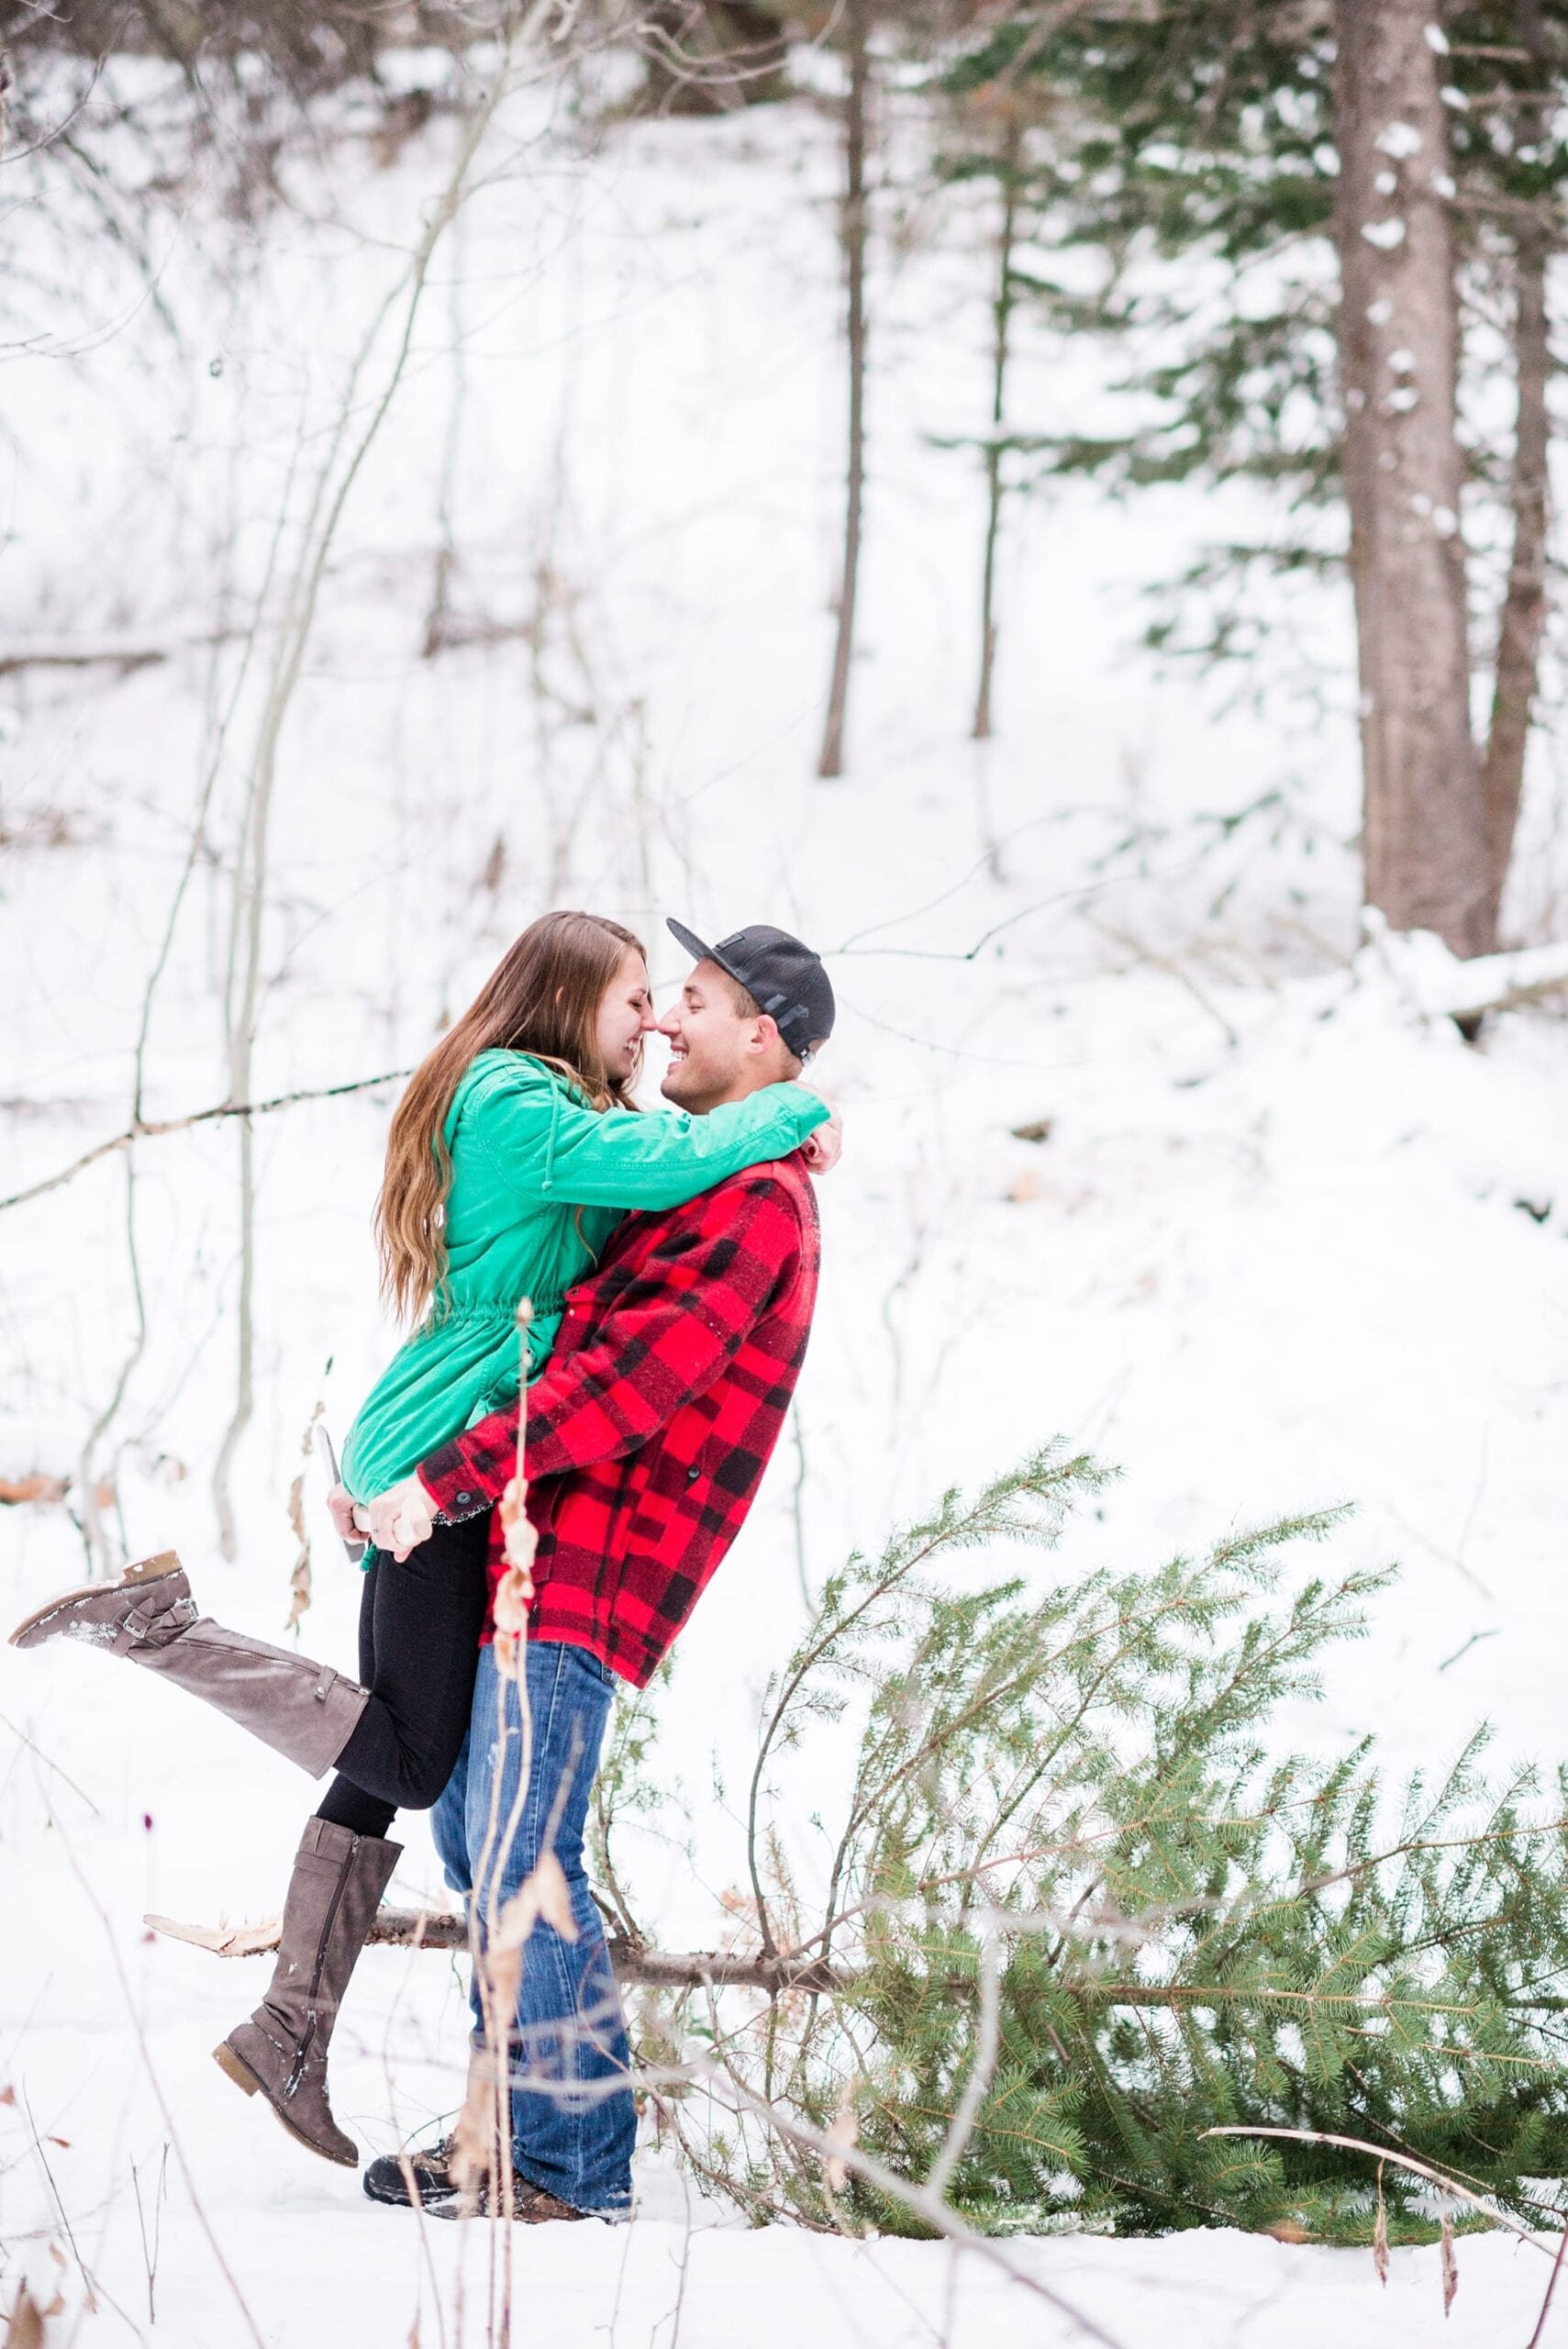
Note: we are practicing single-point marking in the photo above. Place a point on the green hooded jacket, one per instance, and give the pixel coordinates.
(539, 1182)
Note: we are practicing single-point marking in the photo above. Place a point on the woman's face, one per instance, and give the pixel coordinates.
(626, 1016)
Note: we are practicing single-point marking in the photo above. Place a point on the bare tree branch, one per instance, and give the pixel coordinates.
(141, 1128)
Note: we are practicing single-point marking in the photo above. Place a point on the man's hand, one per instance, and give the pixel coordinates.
(824, 1145)
(401, 1518)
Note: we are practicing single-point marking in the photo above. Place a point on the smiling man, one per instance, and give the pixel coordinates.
(648, 1433)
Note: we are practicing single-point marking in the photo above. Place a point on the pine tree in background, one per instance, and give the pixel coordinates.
(1281, 154)
(1074, 1913)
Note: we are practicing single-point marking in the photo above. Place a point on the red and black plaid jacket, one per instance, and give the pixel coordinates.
(650, 1425)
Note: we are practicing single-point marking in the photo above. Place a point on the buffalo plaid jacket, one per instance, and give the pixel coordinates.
(650, 1428)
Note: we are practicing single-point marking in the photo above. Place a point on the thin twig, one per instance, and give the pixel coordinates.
(921, 2203)
(141, 1128)
(1535, 2339)
(987, 2043)
(23, 1738)
(1398, 2161)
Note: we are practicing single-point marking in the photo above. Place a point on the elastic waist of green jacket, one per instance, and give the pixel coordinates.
(488, 1309)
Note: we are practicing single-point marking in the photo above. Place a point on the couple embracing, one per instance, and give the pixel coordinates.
(671, 1261)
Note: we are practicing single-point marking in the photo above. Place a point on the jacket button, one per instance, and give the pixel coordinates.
(462, 1497)
(691, 1476)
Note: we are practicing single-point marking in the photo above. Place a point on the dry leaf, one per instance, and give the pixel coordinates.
(25, 2328)
(7, 2094)
(476, 2139)
(1450, 2264)
(514, 1592)
(1380, 2234)
(299, 1580)
(544, 1894)
(56, 2307)
(521, 1541)
(36, 1487)
(1288, 2231)
(472, 2137)
(844, 2131)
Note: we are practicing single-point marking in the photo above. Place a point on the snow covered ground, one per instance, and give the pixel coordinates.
(1287, 1243)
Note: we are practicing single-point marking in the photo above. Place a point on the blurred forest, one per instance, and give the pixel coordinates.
(1363, 206)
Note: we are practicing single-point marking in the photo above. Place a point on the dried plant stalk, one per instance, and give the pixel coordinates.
(299, 1580)
(513, 1593)
(484, 2134)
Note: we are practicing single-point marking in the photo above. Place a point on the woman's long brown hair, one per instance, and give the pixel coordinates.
(542, 998)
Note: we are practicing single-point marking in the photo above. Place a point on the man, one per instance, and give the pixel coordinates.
(647, 1436)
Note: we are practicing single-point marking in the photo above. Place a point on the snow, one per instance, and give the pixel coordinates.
(1289, 1242)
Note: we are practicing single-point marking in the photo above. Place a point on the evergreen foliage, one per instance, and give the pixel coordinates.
(1185, 1930)
(1203, 134)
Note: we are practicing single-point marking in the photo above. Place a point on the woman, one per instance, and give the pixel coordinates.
(511, 1156)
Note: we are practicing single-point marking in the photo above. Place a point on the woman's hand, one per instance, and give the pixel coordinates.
(341, 1507)
(824, 1145)
(401, 1518)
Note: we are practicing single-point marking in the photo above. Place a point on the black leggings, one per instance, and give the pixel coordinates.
(419, 1627)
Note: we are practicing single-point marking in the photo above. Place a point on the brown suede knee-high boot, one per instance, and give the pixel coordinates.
(335, 1890)
(305, 1711)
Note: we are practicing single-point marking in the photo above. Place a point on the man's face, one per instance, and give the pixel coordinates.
(717, 1054)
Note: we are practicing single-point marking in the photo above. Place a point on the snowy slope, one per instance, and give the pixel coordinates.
(1272, 1255)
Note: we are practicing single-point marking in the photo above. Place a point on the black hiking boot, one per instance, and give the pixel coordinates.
(424, 2176)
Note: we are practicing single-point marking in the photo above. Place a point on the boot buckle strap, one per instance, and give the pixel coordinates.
(142, 1617)
(323, 1688)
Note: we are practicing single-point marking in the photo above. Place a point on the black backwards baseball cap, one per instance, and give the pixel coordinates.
(783, 977)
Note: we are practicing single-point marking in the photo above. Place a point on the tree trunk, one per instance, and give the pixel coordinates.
(1423, 843)
(981, 730)
(831, 762)
(1524, 607)
(1523, 617)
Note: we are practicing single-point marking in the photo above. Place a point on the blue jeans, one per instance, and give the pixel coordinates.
(572, 2121)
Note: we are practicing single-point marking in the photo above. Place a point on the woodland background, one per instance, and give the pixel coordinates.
(1055, 505)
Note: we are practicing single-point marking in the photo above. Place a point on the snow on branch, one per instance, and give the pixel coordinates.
(1436, 985)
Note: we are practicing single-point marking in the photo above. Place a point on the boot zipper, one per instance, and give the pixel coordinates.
(303, 2050)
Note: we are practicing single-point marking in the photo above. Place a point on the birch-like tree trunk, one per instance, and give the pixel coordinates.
(856, 14)
(350, 439)
(1425, 850)
(1002, 318)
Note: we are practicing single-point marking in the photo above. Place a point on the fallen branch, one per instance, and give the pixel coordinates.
(1504, 982)
(141, 1128)
(124, 654)
(443, 1929)
(124, 657)
(699, 1969)
(1437, 985)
